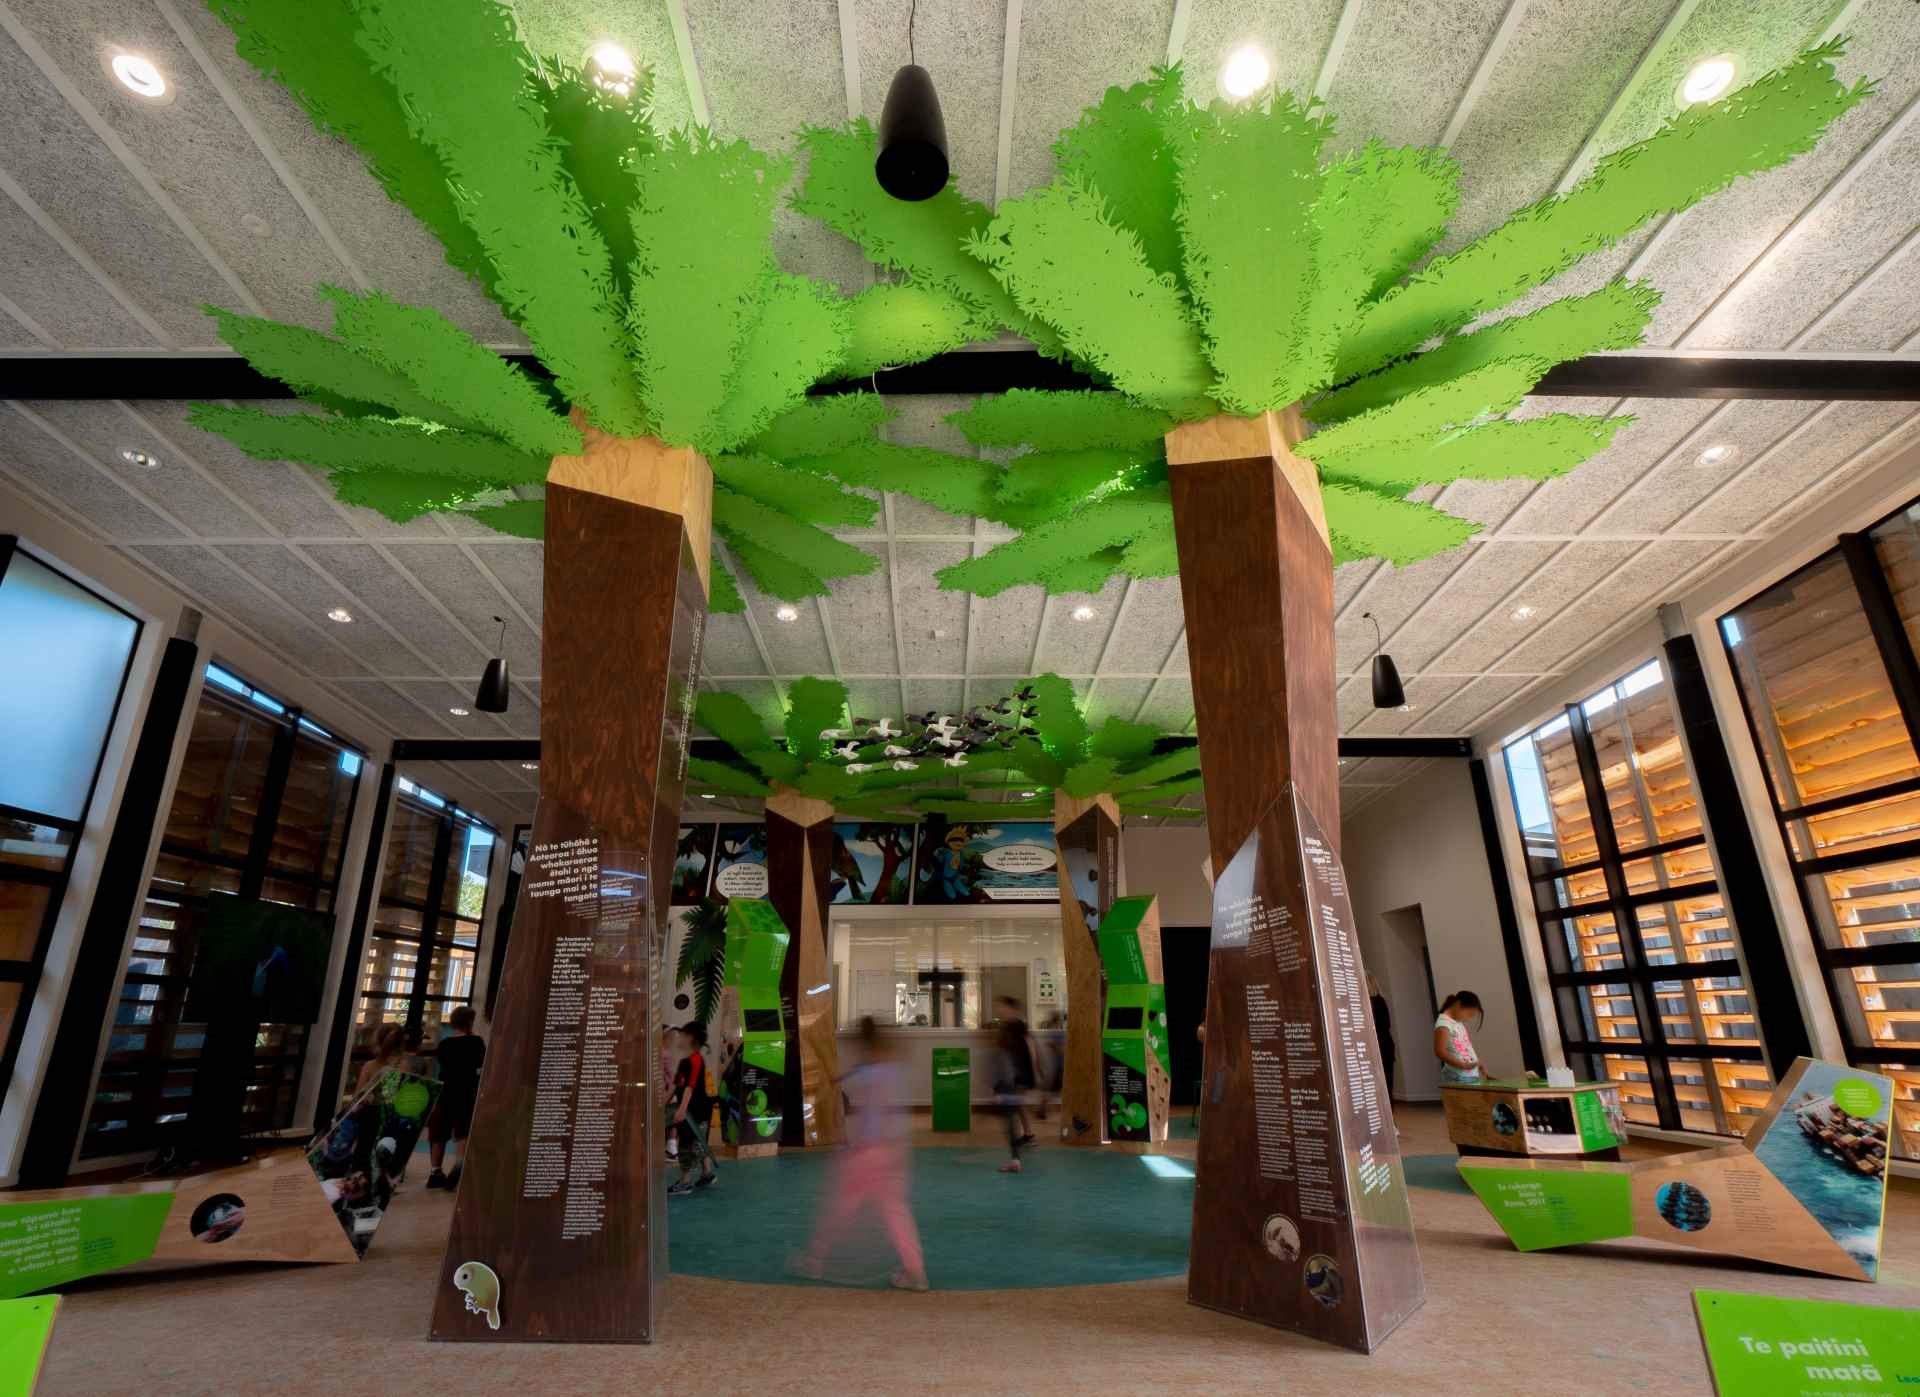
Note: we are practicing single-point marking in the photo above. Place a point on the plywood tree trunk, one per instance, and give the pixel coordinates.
(799, 858)
(1087, 834)
(560, 1220)
(1300, 1214)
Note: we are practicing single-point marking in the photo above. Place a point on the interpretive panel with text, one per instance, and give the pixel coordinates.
(1300, 1215)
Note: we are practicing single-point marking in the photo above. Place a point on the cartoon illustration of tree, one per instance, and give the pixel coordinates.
(702, 962)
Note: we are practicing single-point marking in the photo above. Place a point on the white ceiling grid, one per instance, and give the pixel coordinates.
(121, 218)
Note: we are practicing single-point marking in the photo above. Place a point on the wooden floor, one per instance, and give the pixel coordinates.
(1598, 1320)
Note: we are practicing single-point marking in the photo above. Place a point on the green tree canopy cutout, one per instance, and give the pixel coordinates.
(1037, 736)
(638, 264)
(1204, 260)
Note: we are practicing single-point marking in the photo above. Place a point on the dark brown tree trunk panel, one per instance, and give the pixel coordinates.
(799, 858)
(560, 1220)
(1087, 834)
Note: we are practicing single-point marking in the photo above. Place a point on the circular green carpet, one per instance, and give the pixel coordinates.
(1435, 1171)
(1071, 1217)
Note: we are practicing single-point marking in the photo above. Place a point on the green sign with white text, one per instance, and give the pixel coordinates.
(1554, 1207)
(47, 1244)
(1770, 1346)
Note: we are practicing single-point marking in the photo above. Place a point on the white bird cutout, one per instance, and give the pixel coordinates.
(893, 751)
(902, 766)
(858, 767)
(832, 734)
(957, 759)
(946, 740)
(883, 728)
(849, 751)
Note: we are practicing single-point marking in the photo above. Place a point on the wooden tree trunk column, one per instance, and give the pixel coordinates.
(799, 857)
(1087, 834)
(559, 1228)
(1300, 1215)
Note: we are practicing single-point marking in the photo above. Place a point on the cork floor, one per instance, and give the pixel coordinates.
(1614, 1318)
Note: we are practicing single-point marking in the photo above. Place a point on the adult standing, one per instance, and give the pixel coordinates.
(1014, 1078)
(1382, 1030)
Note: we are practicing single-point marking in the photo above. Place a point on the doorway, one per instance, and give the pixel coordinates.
(1405, 973)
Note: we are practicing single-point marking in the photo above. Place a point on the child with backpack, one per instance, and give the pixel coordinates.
(691, 1109)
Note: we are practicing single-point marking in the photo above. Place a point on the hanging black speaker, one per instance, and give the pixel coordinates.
(912, 163)
(495, 689)
(1387, 690)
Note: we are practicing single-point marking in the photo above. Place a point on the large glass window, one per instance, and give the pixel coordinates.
(945, 972)
(424, 943)
(261, 809)
(1642, 956)
(67, 652)
(1826, 670)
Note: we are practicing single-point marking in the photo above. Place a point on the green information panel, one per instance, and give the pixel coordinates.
(1596, 1132)
(953, 1089)
(1770, 1346)
(26, 1327)
(755, 1078)
(1133, 1039)
(47, 1244)
(1554, 1207)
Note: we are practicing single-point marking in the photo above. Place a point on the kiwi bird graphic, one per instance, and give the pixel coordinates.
(482, 1288)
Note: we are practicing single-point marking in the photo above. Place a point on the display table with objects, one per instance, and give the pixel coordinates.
(1526, 1116)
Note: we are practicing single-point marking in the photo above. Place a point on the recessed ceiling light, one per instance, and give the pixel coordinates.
(458, 712)
(786, 613)
(529, 766)
(1245, 72)
(1028, 795)
(1521, 613)
(138, 75)
(611, 67)
(340, 614)
(705, 796)
(1083, 613)
(133, 456)
(1708, 79)
(1716, 455)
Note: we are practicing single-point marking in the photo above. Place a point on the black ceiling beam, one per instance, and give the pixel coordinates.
(1811, 377)
(516, 749)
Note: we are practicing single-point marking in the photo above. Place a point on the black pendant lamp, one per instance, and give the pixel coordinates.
(1387, 689)
(494, 692)
(912, 163)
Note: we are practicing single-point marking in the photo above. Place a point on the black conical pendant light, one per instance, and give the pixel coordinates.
(912, 160)
(1387, 689)
(494, 691)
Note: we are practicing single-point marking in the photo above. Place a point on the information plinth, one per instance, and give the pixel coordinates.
(1087, 834)
(1300, 1215)
(799, 858)
(953, 1090)
(1138, 1079)
(1525, 1116)
(753, 1043)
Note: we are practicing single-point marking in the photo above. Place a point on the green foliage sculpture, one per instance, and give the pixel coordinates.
(638, 264)
(935, 763)
(1213, 260)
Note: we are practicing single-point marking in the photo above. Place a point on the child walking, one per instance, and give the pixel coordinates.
(691, 1108)
(460, 1054)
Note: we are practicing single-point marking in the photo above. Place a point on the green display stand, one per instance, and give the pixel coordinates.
(26, 1328)
(1773, 1346)
(953, 1089)
(754, 1038)
(1138, 1082)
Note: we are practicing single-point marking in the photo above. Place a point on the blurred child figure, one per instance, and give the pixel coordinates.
(461, 1053)
(1014, 1078)
(669, 1058)
(874, 1166)
(691, 1109)
(389, 1054)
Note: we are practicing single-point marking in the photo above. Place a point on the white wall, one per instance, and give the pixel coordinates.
(1420, 845)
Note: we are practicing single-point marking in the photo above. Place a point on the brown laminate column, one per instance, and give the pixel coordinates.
(1087, 834)
(799, 857)
(559, 1229)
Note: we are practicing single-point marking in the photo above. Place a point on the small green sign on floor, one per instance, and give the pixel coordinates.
(953, 1089)
(26, 1327)
(1772, 1346)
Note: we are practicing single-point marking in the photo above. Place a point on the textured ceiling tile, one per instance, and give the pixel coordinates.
(1391, 596)
(567, 29)
(1147, 629)
(762, 695)
(921, 421)
(212, 585)
(1442, 42)
(1845, 440)
(1073, 647)
(378, 589)
(435, 697)
(933, 622)
(1882, 315)
(353, 518)
(1569, 503)
(445, 571)
(861, 612)
(1354, 699)
(935, 695)
(1557, 76)
(1660, 501)
(1004, 629)
(769, 69)
(1293, 36)
(36, 460)
(1574, 571)
(1169, 705)
(1474, 588)
(198, 154)
(275, 489)
(1460, 714)
(103, 431)
(807, 248)
(1116, 698)
(1626, 593)
(874, 698)
(1423, 695)
(1069, 56)
(1488, 503)
(14, 335)
(729, 648)
(1349, 578)
(518, 564)
(384, 240)
(798, 646)
(42, 279)
(961, 46)
(97, 203)
(403, 718)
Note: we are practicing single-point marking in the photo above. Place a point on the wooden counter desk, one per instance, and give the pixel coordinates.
(1525, 1116)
